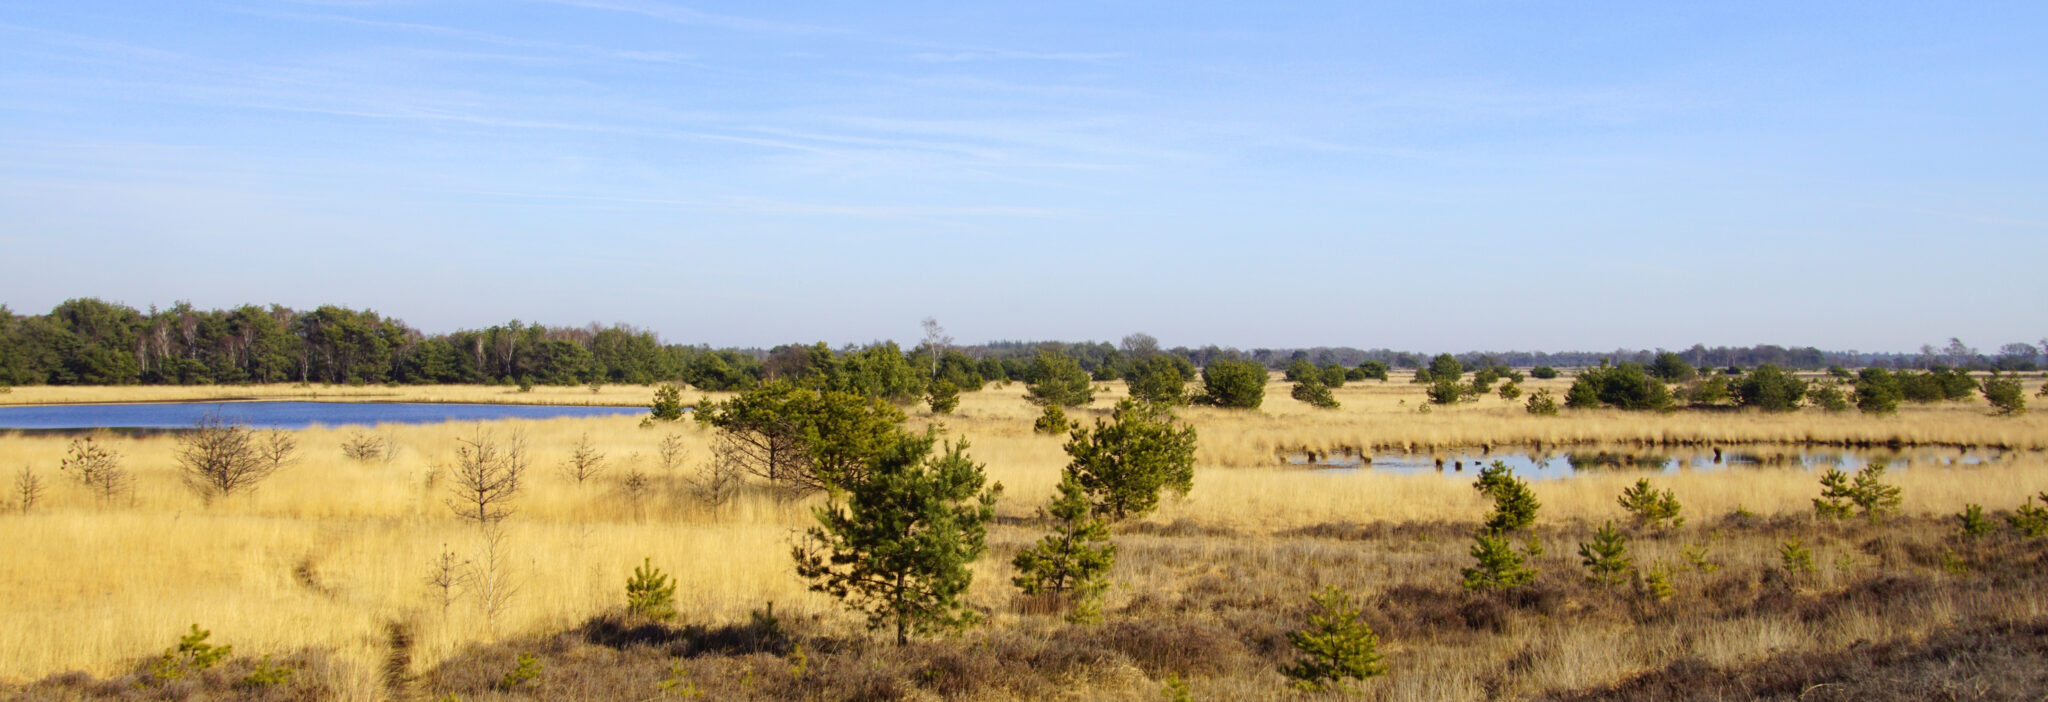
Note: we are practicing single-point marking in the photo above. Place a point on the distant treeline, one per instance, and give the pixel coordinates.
(89, 341)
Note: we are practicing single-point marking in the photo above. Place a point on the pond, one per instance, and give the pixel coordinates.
(1556, 463)
(281, 415)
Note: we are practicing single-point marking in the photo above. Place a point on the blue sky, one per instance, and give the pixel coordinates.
(1429, 176)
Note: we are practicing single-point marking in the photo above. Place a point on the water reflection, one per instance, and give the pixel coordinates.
(1540, 464)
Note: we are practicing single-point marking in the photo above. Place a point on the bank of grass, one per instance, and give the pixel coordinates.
(323, 561)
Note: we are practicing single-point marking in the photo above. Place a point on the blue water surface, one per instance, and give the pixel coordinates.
(282, 415)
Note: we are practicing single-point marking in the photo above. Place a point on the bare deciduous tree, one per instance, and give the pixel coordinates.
(28, 487)
(720, 478)
(486, 477)
(448, 576)
(585, 461)
(671, 450)
(935, 341)
(220, 458)
(363, 446)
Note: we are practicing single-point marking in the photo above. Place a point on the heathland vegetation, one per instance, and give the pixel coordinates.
(824, 530)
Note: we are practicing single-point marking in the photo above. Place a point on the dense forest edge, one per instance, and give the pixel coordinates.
(88, 341)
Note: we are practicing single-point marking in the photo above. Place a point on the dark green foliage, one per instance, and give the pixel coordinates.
(1543, 372)
(650, 593)
(1837, 372)
(1445, 391)
(1867, 494)
(1315, 393)
(1732, 371)
(1651, 508)
(1877, 391)
(1770, 389)
(1510, 391)
(1972, 522)
(1514, 505)
(1542, 403)
(191, 655)
(1337, 645)
(1073, 561)
(1499, 566)
(267, 674)
(1795, 558)
(1711, 391)
(1937, 384)
(1160, 378)
(1302, 371)
(1671, 368)
(1606, 557)
(1833, 502)
(1056, 379)
(800, 438)
(1626, 386)
(943, 397)
(1482, 382)
(895, 544)
(668, 403)
(1830, 398)
(2005, 395)
(1373, 370)
(1124, 463)
(1445, 366)
(2030, 520)
(1234, 384)
(523, 674)
(1052, 421)
(1334, 375)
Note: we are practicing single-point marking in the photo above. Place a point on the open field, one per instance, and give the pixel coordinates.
(332, 553)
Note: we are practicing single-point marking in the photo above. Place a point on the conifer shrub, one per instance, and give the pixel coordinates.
(1336, 647)
(1073, 561)
(1606, 557)
(1543, 372)
(1651, 508)
(192, 654)
(1972, 522)
(651, 593)
(1314, 393)
(2005, 395)
(1541, 403)
(1052, 421)
(1866, 494)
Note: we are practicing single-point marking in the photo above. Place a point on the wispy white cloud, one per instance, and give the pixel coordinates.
(973, 55)
(686, 16)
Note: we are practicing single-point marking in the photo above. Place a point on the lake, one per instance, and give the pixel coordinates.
(282, 415)
(1566, 462)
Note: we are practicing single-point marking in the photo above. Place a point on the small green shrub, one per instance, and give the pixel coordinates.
(667, 405)
(1336, 646)
(267, 675)
(1829, 397)
(2029, 520)
(1606, 557)
(1794, 558)
(1234, 384)
(1314, 393)
(2005, 395)
(943, 397)
(1514, 504)
(1073, 561)
(650, 593)
(1650, 507)
(1972, 521)
(1510, 391)
(1444, 391)
(525, 673)
(1542, 403)
(1052, 421)
(1543, 372)
(1499, 566)
(191, 655)
(1655, 583)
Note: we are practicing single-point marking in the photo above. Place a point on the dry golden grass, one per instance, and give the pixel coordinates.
(608, 395)
(331, 550)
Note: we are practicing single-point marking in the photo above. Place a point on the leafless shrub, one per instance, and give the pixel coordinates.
(486, 477)
(720, 478)
(490, 577)
(585, 461)
(220, 458)
(28, 488)
(447, 577)
(363, 446)
(97, 468)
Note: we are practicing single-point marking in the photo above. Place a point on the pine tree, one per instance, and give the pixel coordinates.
(650, 593)
(1314, 392)
(896, 543)
(1123, 464)
(1872, 496)
(1833, 502)
(1606, 556)
(1074, 560)
(1650, 507)
(1514, 505)
(1337, 645)
(1499, 567)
